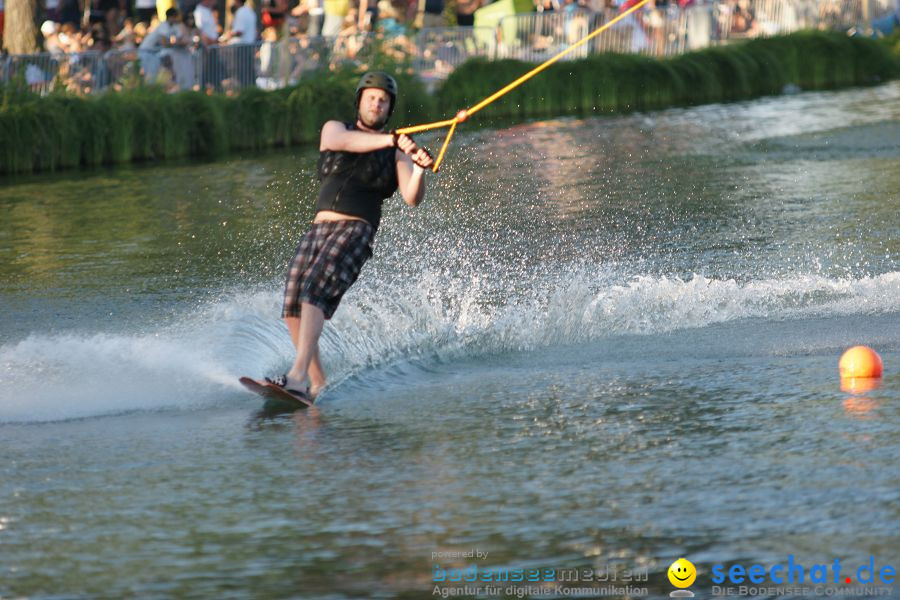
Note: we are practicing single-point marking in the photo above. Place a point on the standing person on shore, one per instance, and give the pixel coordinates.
(430, 13)
(359, 167)
(335, 12)
(209, 37)
(465, 12)
(242, 44)
(146, 10)
(168, 39)
(243, 24)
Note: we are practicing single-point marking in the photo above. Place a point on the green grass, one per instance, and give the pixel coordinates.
(623, 82)
(62, 131)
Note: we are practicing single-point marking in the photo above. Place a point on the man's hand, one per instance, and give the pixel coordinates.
(422, 158)
(408, 146)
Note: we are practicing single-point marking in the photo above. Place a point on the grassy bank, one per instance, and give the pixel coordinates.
(619, 83)
(63, 131)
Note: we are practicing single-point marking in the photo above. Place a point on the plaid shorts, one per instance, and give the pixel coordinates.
(327, 262)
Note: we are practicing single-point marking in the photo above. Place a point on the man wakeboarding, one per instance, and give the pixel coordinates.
(359, 167)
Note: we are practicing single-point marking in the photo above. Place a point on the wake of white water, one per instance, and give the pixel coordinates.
(189, 363)
(195, 361)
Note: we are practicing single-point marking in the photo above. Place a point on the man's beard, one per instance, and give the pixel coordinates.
(377, 125)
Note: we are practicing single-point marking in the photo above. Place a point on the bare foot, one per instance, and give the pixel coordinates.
(314, 391)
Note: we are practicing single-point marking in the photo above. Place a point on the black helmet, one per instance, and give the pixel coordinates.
(381, 81)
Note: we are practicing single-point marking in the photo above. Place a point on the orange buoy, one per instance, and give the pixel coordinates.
(860, 406)
(860, 361)
(860, 385)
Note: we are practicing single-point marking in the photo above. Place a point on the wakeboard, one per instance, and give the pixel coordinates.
(277, 398)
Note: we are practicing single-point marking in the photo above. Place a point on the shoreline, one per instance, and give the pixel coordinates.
(43, 134)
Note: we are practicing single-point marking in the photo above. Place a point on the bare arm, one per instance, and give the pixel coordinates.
(410, 177)
(336, 137)
(363, 6)
(411, 164)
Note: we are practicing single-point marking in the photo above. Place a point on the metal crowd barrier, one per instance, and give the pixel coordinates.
(534, 37)
(773, 17)
(666, 29)
(439, 50)
(5, 62)
(663, 31)
(225, 68)
(284, 62)
(82, 73)
(436, 52)
(883, 8)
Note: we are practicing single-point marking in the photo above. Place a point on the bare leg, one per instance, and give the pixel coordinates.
(316, 374)
(305, 334)
(317, 378)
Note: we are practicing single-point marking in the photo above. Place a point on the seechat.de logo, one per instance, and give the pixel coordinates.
(795, 572)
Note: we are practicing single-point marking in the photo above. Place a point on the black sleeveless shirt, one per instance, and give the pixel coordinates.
(356, 183)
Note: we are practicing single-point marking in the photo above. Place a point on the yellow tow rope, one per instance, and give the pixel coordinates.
(466, 113)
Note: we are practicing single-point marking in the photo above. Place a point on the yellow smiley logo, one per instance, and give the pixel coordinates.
(682, 573)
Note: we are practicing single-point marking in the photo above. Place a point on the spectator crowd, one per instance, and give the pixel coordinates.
(211, 44)
(72, 26)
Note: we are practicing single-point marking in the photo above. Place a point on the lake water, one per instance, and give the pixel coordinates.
(599, 344)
